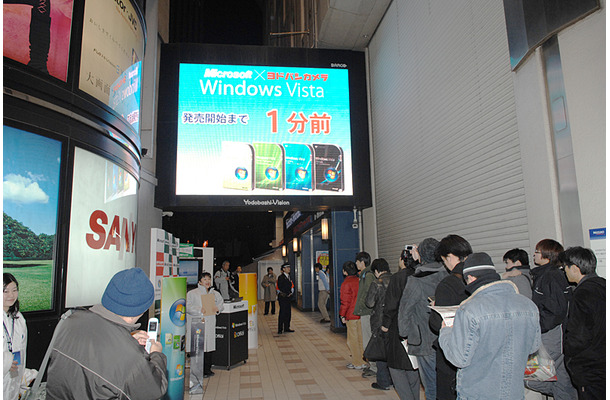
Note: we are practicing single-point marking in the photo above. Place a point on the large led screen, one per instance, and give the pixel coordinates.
(30, 188)
(263, 130)
(102, 227)
(257, 127)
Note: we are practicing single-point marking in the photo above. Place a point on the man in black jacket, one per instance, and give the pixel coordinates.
(584, 344)
(98, 354)
(285, 289)
(404, 377)
(551, 293)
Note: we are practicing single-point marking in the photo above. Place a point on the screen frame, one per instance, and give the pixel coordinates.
(172, 55)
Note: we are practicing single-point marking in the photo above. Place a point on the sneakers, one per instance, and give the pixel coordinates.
(368, 372)
(377, 386)
(358, 367)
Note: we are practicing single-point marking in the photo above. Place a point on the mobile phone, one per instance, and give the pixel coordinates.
(299, 166)
(328, 167)
(238, 165)
(153, 331)
(268, 166)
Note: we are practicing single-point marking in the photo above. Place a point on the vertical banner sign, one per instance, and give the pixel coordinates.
(173, 331)
(248, 289)
(163, 260)
(597, 238)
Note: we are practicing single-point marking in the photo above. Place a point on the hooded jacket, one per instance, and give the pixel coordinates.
(414, 313)
(95, 357)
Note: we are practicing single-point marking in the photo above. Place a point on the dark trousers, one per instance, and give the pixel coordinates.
(207, 362)
(267, 307)
(592, 392)
(283, 320)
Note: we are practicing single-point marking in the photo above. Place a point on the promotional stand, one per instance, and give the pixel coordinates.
(173, 329)
(248, 289)
(232, 335)
(197, 343)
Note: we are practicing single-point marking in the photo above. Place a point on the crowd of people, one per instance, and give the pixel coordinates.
(481, 352)
(555, 307)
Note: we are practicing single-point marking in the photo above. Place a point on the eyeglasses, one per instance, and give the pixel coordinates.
(537, 252)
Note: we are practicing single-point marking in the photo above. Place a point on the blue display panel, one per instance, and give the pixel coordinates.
(263, 129)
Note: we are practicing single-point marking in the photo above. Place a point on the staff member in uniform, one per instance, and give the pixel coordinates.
(285, 289)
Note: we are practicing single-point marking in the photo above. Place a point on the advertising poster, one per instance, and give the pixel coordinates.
(102, 227)
(38, 35)
(173, 331)
(163, 259)
(597, 238)
(112, 46)
(248, 289)
(263, 130)
(323, 258)
(30, 189)
(125, 95)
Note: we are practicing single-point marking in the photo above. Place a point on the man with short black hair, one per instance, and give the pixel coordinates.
(518, 270)
(584, 345)
(285, 290)
(323, 291)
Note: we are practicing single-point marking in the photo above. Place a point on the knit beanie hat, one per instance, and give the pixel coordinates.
(129, 293)
(427, 250)
(478, 265)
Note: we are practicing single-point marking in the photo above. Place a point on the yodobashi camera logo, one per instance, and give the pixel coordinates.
(177, 312)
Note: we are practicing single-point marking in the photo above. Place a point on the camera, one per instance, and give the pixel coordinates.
(406, 255)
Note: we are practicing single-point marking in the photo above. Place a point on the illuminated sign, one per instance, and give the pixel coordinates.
(263, 130)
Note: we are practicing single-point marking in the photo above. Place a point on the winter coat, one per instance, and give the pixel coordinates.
(584, 345)
(222, 284)
(414, 313)
(493, 333)
(522, 279)
(268, 284)
(551, 293)
(396, 356)
(95, 357)
(365, 278)
(193, 314)
(375, 299)
(348, 294)
(18, 336)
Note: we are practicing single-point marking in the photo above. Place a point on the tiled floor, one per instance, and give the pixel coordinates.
(308, 364)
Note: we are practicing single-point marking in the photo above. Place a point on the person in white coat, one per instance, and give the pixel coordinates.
(193, 313)
(15, 336)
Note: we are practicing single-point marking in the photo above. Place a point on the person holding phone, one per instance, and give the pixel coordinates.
(15, 336)
(99, 353)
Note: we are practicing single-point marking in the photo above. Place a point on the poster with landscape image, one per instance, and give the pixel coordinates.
(31, 171)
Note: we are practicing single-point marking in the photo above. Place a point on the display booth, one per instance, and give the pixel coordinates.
(232, 335)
